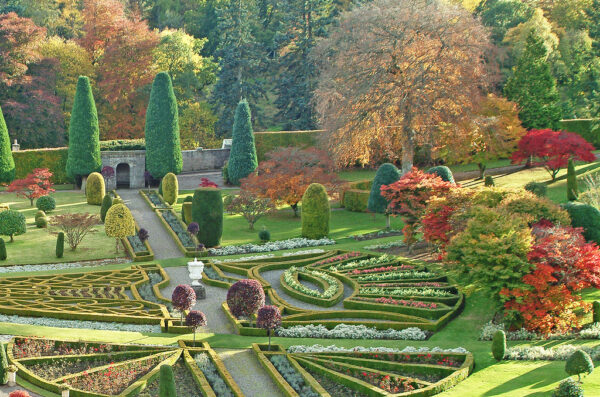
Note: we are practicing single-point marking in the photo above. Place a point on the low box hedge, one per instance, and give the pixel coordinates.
(356, 200)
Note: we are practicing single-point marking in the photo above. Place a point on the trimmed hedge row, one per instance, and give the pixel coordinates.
(323, 284)
(54, 159)
(269, 141)
(356, 200)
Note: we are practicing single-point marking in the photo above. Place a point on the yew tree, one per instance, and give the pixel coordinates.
(34, 185)
(392, 70)
(287, 172)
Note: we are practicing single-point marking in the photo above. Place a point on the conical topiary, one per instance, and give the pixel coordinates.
(60, 245)
(572, 189)
(443, 172)
(242, 158)
(578, 363)
(163, 148)
(170, 188)
(167, 382)
(7, 163)
(84, 134)
(315, 212)
(386, 174)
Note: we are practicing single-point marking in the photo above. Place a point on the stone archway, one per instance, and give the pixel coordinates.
(123, 174)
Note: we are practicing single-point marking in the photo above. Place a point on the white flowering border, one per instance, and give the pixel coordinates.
(60, 266)
(346, 331)
(270, 246)
(361, 349)
(98, 325)
(292, 282)
(489, 329)
(558, 353)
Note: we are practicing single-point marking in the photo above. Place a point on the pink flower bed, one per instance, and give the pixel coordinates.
(402, 302)
(382, 269)
(338, 258)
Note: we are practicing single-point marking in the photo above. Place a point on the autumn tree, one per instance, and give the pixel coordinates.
(287, 172)
(34, 185)
(391, 71)
(74, 226)
(251, 207)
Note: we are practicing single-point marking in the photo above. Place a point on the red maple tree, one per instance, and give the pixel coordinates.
(553, 149)
(34, 185)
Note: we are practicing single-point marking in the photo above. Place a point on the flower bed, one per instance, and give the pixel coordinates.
(154, 199)
(291, 280)
(210, 371)
(291, 376)
(489, 329)
(270, 246)
(338, 258)
(185, 383)
(345, 331)
(180, 231)
(376, 260)
(561, 352)
(402, 302)
(411, 291)
(397, 275)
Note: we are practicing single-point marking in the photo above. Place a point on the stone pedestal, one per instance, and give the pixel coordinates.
(200, 291)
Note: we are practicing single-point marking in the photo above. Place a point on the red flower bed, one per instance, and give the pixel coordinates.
(390, 384)
(421, 358)
(42, 348)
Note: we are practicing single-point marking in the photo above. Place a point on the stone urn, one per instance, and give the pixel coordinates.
(12, 375)
(64, 390)
(195, 268)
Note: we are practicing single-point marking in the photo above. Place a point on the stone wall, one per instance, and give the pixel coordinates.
(204, 159)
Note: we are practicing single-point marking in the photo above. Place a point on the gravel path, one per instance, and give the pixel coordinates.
(217, 322)
(247, 372)
(272, 276)
(161, 242)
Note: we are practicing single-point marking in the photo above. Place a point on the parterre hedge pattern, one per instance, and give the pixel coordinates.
(373, 373)
(386, 292)
(95, 369)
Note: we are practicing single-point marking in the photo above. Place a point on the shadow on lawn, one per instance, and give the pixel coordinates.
(539, 376)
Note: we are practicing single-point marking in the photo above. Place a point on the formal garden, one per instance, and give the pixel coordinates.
(424, 218)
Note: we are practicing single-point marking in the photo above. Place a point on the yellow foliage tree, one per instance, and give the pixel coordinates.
(119, 223)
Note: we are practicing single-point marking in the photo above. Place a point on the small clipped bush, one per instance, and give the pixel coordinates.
(315, 212)
(356, 200)
(60, 245)
(45, 203)
(499, 345)
(170, 188)
(12, 223)
(107, 202)
(3, 366)
(540, 189)
(245, 297)
(587, 217)
(95, 189)
(3, 254)
(167, 382)
(184, 215)
(40, 214)
(119, 223)
(578, 363)
(207, 212)
(41, 222)
(489, 181)
(596, 312)
(568, 388)
(443, 172)
(572, 189)
(264, 235)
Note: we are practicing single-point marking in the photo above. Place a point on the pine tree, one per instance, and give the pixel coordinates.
(533, 87)
(84, 134)
(572, 189)
(241, 58)
(7, 163)
(242, 159)
(163, 149)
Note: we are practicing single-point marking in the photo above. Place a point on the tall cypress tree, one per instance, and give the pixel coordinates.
(533, 87)
(7, 163)
(163, 149)
(84, 134)
(242, 159)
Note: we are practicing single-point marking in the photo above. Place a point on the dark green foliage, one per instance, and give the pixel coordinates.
(242, 158)
(187, 199)
(225, 174)
(572, 189)
(12, 223)
(356, 200)
(41, 222)
(578, 363)
(315, 212)
(596, 311)
(568, 388)
(60, 245)
(167, 382)
(264, 235)
(443, 172)
(489, 181)
(163, 150)
(386, 174)
(7, 163)
(533, 87)
(3, 365)
(501, 15)
(583, 127)
(499, 345)
(587, 217)
(207, 212)
(3, 254)
(107, 202)
(84, 136)
(538, 188)
(160, 189)
(45, 203)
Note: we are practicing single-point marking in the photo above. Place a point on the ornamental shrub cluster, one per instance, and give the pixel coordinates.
(170, 188)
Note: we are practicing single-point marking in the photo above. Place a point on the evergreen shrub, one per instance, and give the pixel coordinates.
(242, 158)
(170, 188)
(489, 181)
(95, 189)
(315, 212)
(107, 202)
(3, 254)
(572, 189)
(578, 363)
(540, 189)
(45, 203)
(443, 172)
(587, 217)
(499, 345)
(60, 245)
(207, 212)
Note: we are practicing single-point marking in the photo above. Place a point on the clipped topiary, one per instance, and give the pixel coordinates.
(7, 163)
(195, 319)
(596, 312)
(3, 254)
(572, 189)
(315, 212)
(386, 175)
(245, 297)
(163, 148)
(264, 235)
(41, 222)
(119, 223)
(60, 245)
(84, 134)
(538, 188)
(568, 388)
(587, 217)
(170, 188)
(186, 209)
(12, 223)
(45, 203)
(499, 345)
(269, 318)
(207, 212)
(183, 298)
(166, 382)
(225, 174)
(242, 158)
(107, 202)
(95, 189)
(443, 172)
(40, 214)
(489, 181)
(578, 363)
(3, 365)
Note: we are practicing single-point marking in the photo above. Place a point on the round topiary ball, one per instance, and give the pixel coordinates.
(264, 235)
(95, 189)
(245, 297)
(315, 212)
(41, 222)
(587, 217)
(578, 363)
(386, 175)
(170, 188)
(45, 203)
(443, 172)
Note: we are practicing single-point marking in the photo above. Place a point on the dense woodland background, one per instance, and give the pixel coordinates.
(219, 51)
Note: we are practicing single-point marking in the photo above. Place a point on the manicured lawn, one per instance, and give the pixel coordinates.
(39, 246)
